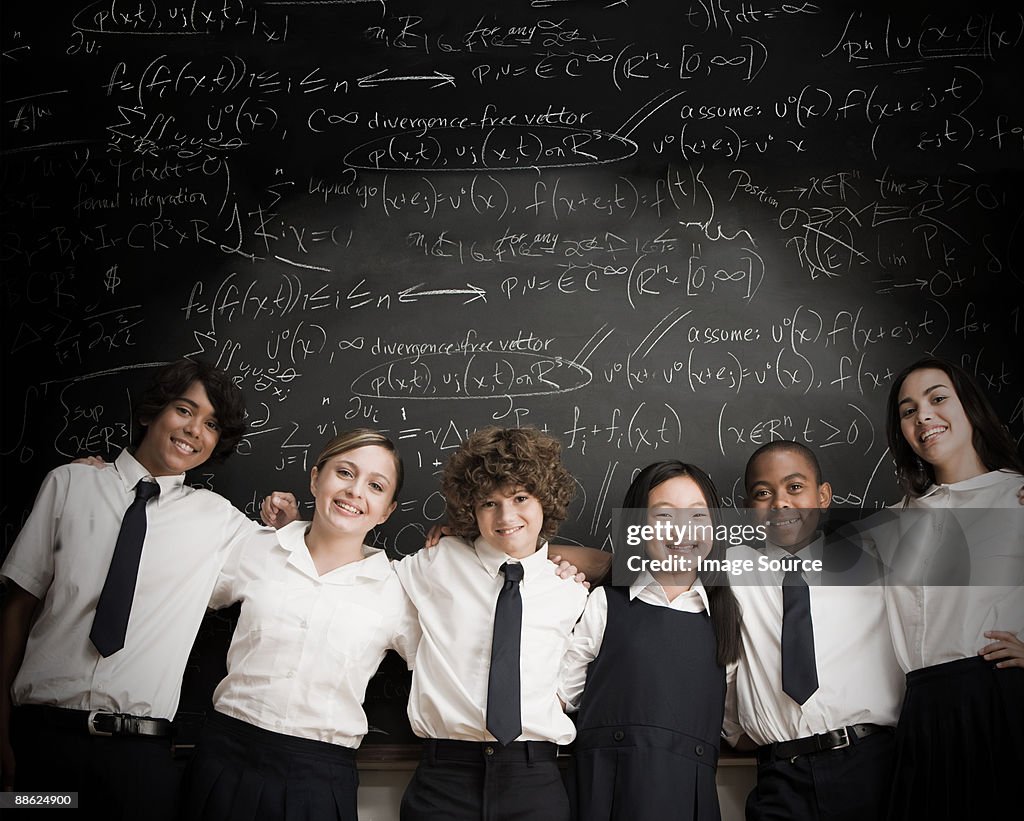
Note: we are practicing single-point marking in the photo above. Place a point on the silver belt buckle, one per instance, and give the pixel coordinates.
(846, 738)
(92, 722)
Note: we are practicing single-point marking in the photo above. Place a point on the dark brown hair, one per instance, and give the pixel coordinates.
(991, 441)
(172, 382)
(492, 459)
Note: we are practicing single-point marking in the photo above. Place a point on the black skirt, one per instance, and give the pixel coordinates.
(959, 742)
(241, 772)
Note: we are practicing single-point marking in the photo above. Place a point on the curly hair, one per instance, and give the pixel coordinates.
(173, 380)
(492, 459)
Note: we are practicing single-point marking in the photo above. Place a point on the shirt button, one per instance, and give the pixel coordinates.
(699, 749)
(303, 624)
(618, 735)
(291, 674)
(488, 750)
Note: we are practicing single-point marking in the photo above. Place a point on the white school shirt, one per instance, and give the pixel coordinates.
(454, 587)
(62, 556)
(588, 636)
(306, 645)
(931, 624)
(859, 680)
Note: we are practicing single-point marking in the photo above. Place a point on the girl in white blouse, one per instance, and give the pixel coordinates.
(319, 610)
(960, 739)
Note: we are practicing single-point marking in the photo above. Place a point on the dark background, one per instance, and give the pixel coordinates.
(669, 230)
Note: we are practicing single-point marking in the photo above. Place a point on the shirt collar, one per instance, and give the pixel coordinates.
(131, 472)
(993, 477)
(815, 551)
(374, 564)
(492, 559)
(645, 580)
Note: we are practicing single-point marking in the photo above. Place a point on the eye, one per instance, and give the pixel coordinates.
(761, 494)
(212, 425)
(936, 400)
(344, 472)
(184, 410)
(522, 497)
(377, 486)
(795, 488)
(486, 503)
(907, 412)
(700, 514)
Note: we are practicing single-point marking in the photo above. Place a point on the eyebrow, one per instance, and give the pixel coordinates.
(788, 478)
(927, 391)
(347, 463)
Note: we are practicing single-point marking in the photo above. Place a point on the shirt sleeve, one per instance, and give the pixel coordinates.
(30, 562)
(584, 646)
(240, 533)
(405, 638)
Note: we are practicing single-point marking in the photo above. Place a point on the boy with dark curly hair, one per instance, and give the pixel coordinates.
(496, 622)
(107, 584)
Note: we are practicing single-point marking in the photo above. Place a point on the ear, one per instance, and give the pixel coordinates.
(314, 474)
(824, 495)
(387, 515)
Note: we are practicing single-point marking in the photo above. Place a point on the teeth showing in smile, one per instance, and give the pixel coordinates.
(184, 447)
(930, 433)
(784, 522)
(507, 531)
(348, 508)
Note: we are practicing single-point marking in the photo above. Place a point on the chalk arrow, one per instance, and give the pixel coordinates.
(375, 79)
(413, 293)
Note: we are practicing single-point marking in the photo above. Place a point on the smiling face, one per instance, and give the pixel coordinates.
(182, 436)
(511, 520)
(936, 426)
(680, 503)
(354, 491)
(783, 489)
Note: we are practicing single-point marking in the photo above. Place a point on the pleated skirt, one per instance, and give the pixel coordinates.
(959, 742)
(241, 772)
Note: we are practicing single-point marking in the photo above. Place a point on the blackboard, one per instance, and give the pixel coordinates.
(652, 229)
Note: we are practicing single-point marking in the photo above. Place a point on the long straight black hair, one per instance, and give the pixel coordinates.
(725, 612)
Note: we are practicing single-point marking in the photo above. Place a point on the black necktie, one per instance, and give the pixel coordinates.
(504, 716)
(799, 672)
(115, 605)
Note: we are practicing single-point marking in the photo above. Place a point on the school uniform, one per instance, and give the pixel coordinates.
(643, 672)
(464, 772)
(62, 556)
(960, 740)
(288, 716)
(830, 757)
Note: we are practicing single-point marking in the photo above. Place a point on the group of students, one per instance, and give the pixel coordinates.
(503, 643)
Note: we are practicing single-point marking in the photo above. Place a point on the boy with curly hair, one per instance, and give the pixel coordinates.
(496, 622)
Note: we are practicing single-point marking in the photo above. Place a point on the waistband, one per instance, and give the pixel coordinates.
(93, 722)
(483, 752)
(828, 741)
(251, 736)
(699, 750)
(957, 667)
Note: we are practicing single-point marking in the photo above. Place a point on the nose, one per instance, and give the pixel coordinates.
(780, 503)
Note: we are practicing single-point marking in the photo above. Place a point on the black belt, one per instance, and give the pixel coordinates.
(96, 722)
(820, 743)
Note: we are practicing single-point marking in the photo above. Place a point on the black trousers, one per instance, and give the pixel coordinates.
(123, 778)
(851, 784)
(486, 782)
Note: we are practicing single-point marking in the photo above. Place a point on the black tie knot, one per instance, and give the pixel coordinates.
(513, 571)
(794, 578)
(146, 490)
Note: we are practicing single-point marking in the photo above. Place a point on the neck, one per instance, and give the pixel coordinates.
(967, 466)
(675, 583)
(330, 551)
